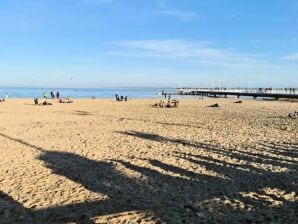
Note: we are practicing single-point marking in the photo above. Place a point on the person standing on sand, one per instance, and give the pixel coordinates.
(52, 95)
(45, 95)
(58, 95)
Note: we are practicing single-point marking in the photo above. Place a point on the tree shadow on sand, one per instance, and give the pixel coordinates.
(169, 193)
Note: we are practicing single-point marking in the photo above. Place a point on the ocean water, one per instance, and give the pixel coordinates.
(84, 93)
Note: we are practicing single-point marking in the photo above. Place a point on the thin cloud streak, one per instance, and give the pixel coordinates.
(291, 57)
(185, 51)
(185, 16)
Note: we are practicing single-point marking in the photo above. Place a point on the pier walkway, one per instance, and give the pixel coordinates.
(287, 93)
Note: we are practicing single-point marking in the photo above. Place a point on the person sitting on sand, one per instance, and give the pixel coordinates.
(36, 101)
(68, 100)
(175, 103)
(214, 105)
(161, 104)
(62, 101)
(168, 105)
(45, 103)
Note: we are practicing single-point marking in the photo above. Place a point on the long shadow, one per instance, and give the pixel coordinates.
(82, 113)
(282, 149)
(185, 197)
(157, 138)
(151, 121)
(22, 142)
(12, 212)
(234, 153)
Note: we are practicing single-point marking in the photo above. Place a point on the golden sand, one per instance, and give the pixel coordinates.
(101, 161)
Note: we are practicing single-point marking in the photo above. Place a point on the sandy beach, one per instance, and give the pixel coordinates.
(102, 161)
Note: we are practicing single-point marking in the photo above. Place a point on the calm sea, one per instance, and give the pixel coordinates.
(84, 93)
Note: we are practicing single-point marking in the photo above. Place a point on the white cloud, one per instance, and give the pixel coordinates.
(182, 50)
(291, 57)
(182, 15)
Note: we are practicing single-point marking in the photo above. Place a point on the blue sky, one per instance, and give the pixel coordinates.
(136, 43)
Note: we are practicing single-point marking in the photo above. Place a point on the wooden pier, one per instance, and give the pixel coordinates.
(287, 93)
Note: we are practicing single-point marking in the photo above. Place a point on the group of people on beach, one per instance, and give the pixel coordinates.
(169, 104)
(45, 95)
(52, 96)
(121, 98)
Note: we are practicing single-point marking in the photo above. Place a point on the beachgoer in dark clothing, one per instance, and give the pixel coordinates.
(125, 98)
(45, 103)
(58, 95)
(52, 95)
(121, 98)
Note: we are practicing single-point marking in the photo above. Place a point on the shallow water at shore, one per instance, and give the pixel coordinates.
(148, 93)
